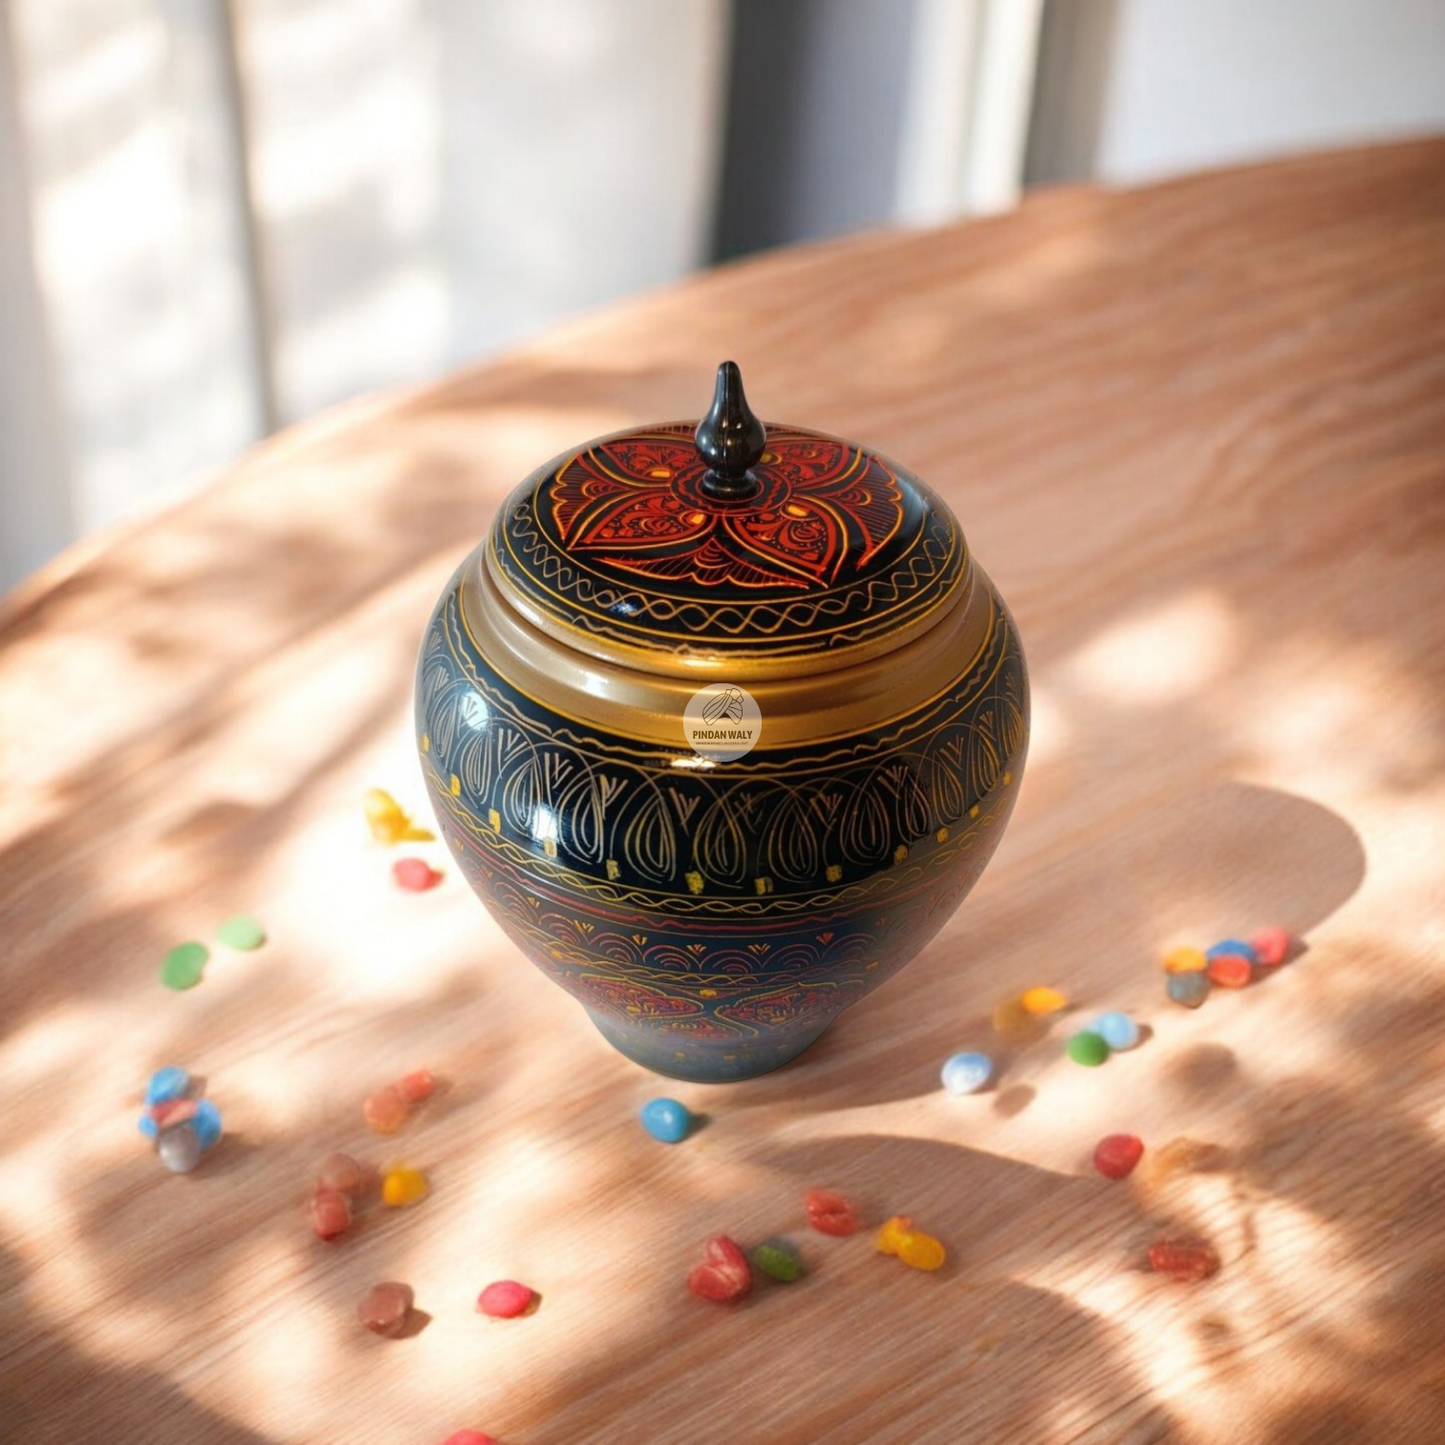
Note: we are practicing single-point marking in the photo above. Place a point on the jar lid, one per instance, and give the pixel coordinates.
(727, 547)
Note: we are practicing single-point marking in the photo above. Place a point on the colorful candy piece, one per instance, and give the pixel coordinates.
(173, 1111)
(242, 933)
(891, 1234)
(470, 1437)
(183, 966)
(724, 1274)
(415, 875)
(1231, 947)
(777, 1259)
(1271, 946)
(1189, 989)
(171, 1082)
(921, 1251)
(389, 823)
(402, 1187)
(342, 1173)
(330, 1213)
(148, 1126)
(386, 1110)
(666, 1119)
(207, 1124)
(1184, 1260)
(179, 1149)
(1230, 970)
(505, 1299)
(1117, 1030)
(1041, 1001)
(966, 1073)
(385, 1307)
(830, 1212)
(1185, 960)
(1087, 1048)
(1115, 1155)
(417, 1086)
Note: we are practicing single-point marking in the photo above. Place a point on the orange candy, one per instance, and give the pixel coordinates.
(1185, 960)
(1231, 970)
(1038, 1001)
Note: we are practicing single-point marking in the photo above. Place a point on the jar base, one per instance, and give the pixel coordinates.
(700, 1062)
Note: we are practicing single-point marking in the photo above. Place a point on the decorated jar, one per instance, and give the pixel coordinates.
(721, 722)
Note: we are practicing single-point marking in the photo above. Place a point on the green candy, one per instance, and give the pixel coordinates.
(1088, 1049)
(184, 965)
(241, 933)
(778, 1260)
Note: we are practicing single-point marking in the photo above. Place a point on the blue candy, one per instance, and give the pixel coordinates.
(666, 1119)
(166, 1084)
(1117, 1030)
(207, 1124)
(1232, 946)
(1190, 989)
(148, 1126)
(966, 1073)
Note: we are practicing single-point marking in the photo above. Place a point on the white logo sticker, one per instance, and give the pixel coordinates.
(722, 721)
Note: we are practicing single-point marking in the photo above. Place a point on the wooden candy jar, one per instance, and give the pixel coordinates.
(722, 724)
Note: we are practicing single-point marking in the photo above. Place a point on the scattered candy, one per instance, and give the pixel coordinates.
(183, 965)
(470, 1437)
(891, 1234)
(415, 875)
(966, 1073)
(1117, 1030)
(724, 1274)
(179, 1149)
(1115, 1155)
(340, 1172)
(1185, 960)
(385, 1308)
(1230, 947)
(666, 1119)
(1230, 970)
(389, 823)
(505, 1300)
(330, 1213)
(1271, 946)
(416, 1086)
(386, 1110)
(207, 1124)
(830, 1212)
(182, 1125)
(168, 1083)
(1087, 1048)
(1189, 989)
(1184, 1260)
(777, 1259)
(1039, 1001)
(241, 933)
(402, 1187)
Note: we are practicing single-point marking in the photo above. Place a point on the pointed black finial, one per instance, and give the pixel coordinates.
(730, 439)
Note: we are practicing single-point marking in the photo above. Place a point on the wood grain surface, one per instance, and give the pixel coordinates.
(1196, 433)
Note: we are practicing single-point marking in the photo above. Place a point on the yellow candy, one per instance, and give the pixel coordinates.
(922, 1251)
(1185, 960)
(892, 1233)
(389, 823)
(401, 1186)
(1043, 1001)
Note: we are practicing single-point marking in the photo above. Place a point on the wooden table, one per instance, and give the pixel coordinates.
(1197, 435)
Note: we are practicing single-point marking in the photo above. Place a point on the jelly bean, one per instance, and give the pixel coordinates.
(207, 1124)
(386, 1110)
(891, 1234)
(1117, 1030)
(341, 1173)
(470, 1437)
(505, 1299)
(1184, 1260)
(183, 966)
(1115, 1155)
(830, 1212)
(724, 1274)
(1271, 946)
(179, 1149)
(416, 1086)
(1189, 989)
(1040, 1001)
(1230, 946)
(666, 1119)
(168, 1083)
(402, 1187)
(921, 1251)
(1087, 1048)
(173, 1111)
(966, 1073)
(241, 933)
(389, 823)
(330, 1213)
(1230, 970)
(777, 1259)
(148, 1126)
(385, 1307)
(1185, 960)
(415, 875)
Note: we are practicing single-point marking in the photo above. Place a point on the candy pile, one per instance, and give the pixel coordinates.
(339, 1183)
(183, 1125)
(389, 1107)
(1230, 963)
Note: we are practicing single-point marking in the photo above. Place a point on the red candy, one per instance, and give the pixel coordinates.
(385, 1308)
(1231, 970)
(340, 1172)
(1271, 945)
(386, 1109)
(173, 1111)
(470, 1437)
(724, 1274)
(830, 1212)
(330, 1213)
(1186, 1261)
(505, 1299)
(1115, 1155)
(416, 875)
(417, 1085)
